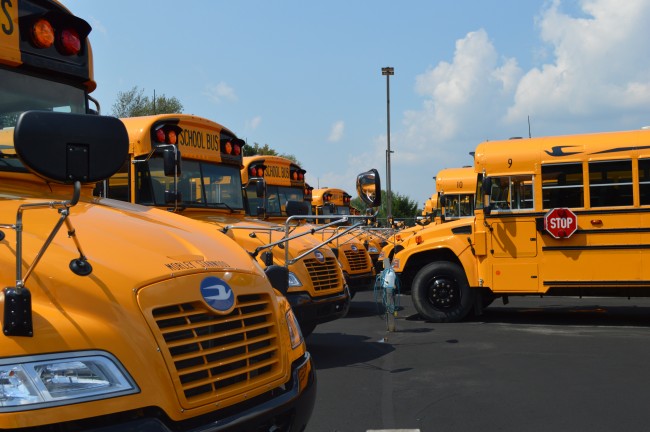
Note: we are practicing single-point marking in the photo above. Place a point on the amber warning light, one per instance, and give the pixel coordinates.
(44, 35)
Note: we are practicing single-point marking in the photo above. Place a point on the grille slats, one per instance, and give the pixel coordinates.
(215, 354)
(324, 276)
(357, 260)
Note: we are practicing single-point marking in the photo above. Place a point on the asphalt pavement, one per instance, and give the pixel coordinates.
(536, 364)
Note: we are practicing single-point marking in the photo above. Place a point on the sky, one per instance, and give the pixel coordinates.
(305, 77)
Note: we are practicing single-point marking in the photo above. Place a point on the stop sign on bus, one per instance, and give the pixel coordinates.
(561, 222)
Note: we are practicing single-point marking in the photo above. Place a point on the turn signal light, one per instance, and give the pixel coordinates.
(42, 34)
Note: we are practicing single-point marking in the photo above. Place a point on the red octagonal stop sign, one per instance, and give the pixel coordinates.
(561, 222)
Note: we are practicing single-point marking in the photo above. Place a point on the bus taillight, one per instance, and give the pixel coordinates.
(42, 34)
(69, 42)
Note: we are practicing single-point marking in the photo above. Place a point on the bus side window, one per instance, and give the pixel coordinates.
(610, 183)
(562, 185)
(644, 181)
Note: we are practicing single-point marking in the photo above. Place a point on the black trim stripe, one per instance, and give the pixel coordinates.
(596, 247)
(599, 283)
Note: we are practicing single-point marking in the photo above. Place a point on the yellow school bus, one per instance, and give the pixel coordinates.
(453, 199)
(286, 189)
(209, 188)
(455, 188)
(355, 259)
(555, 216)
(117, 316)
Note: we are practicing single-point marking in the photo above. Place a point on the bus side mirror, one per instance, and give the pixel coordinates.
(66, 148)
(486, 185)
(279, 277)
(369, 188)
(171, 162)
(297, 208)
(260, 188)
(171, 197)
(486, 189)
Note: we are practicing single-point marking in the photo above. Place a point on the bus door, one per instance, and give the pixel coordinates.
(512, 234)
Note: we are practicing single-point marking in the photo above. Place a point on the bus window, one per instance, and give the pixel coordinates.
(562, 185)
(644, 181)
(610, 183)
(512, 192)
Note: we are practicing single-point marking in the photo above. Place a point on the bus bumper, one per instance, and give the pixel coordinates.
(313, 311)
(360, 282)
(289, 410)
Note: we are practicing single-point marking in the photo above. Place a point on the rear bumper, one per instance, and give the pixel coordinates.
(286, 409)
(310, 310)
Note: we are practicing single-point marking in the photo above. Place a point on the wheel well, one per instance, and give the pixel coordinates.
(417, 261)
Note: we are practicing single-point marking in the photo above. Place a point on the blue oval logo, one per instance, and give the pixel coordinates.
(354, 248)
(319, 256)
(217, 294)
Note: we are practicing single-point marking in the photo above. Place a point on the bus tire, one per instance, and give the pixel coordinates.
(441, 293)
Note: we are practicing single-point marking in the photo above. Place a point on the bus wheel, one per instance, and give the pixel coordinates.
(440, 292)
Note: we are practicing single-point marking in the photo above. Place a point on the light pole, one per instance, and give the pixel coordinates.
(388, 71)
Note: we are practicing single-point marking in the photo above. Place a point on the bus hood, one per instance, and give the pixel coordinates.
(252, 234)
(142, 244)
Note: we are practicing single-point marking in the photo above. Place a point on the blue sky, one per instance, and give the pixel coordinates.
(305, 77)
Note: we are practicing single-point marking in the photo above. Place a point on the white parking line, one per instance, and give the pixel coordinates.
(392, 430)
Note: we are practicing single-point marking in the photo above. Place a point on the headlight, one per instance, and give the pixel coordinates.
(295, 334)
(35, 382)
(293, 280)
(373, 249)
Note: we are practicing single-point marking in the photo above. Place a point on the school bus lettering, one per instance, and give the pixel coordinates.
(277, 172)
(8, 26)
(189, 265)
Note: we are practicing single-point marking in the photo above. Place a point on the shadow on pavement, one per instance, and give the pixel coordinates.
(331, 350)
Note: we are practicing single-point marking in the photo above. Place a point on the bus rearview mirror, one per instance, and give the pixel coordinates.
(369, 188)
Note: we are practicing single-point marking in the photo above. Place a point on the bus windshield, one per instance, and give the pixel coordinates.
(21, 92)
(201, 184)
(278, 196)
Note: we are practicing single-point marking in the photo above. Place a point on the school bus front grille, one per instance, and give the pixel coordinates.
(214, 355)
(324, 275)
(357, 259)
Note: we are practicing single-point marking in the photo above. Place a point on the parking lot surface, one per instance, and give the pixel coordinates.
(536, 364)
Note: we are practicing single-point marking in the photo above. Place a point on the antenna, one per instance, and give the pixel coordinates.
(529, 135)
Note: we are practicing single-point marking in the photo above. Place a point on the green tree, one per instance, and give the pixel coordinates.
(256, 149)
(134, 102)
(403, 208)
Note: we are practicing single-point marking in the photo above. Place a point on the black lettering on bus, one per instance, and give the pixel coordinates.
(7, 28)
(212, 141)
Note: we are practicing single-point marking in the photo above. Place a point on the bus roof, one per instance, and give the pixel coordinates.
(197, 138)
(278, 171)
(336, 196)
(16, 50)
(526, 155)
(456, 180)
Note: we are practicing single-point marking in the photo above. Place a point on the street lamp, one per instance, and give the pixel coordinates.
(388, 71)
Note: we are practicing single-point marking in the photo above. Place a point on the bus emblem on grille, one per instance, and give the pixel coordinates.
(217, 294)
(319, 256)
(354, 248)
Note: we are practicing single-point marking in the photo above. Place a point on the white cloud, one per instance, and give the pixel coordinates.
(220, 92)
(254, 122)
(336, 133)
(598, 67)
(594, 75)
